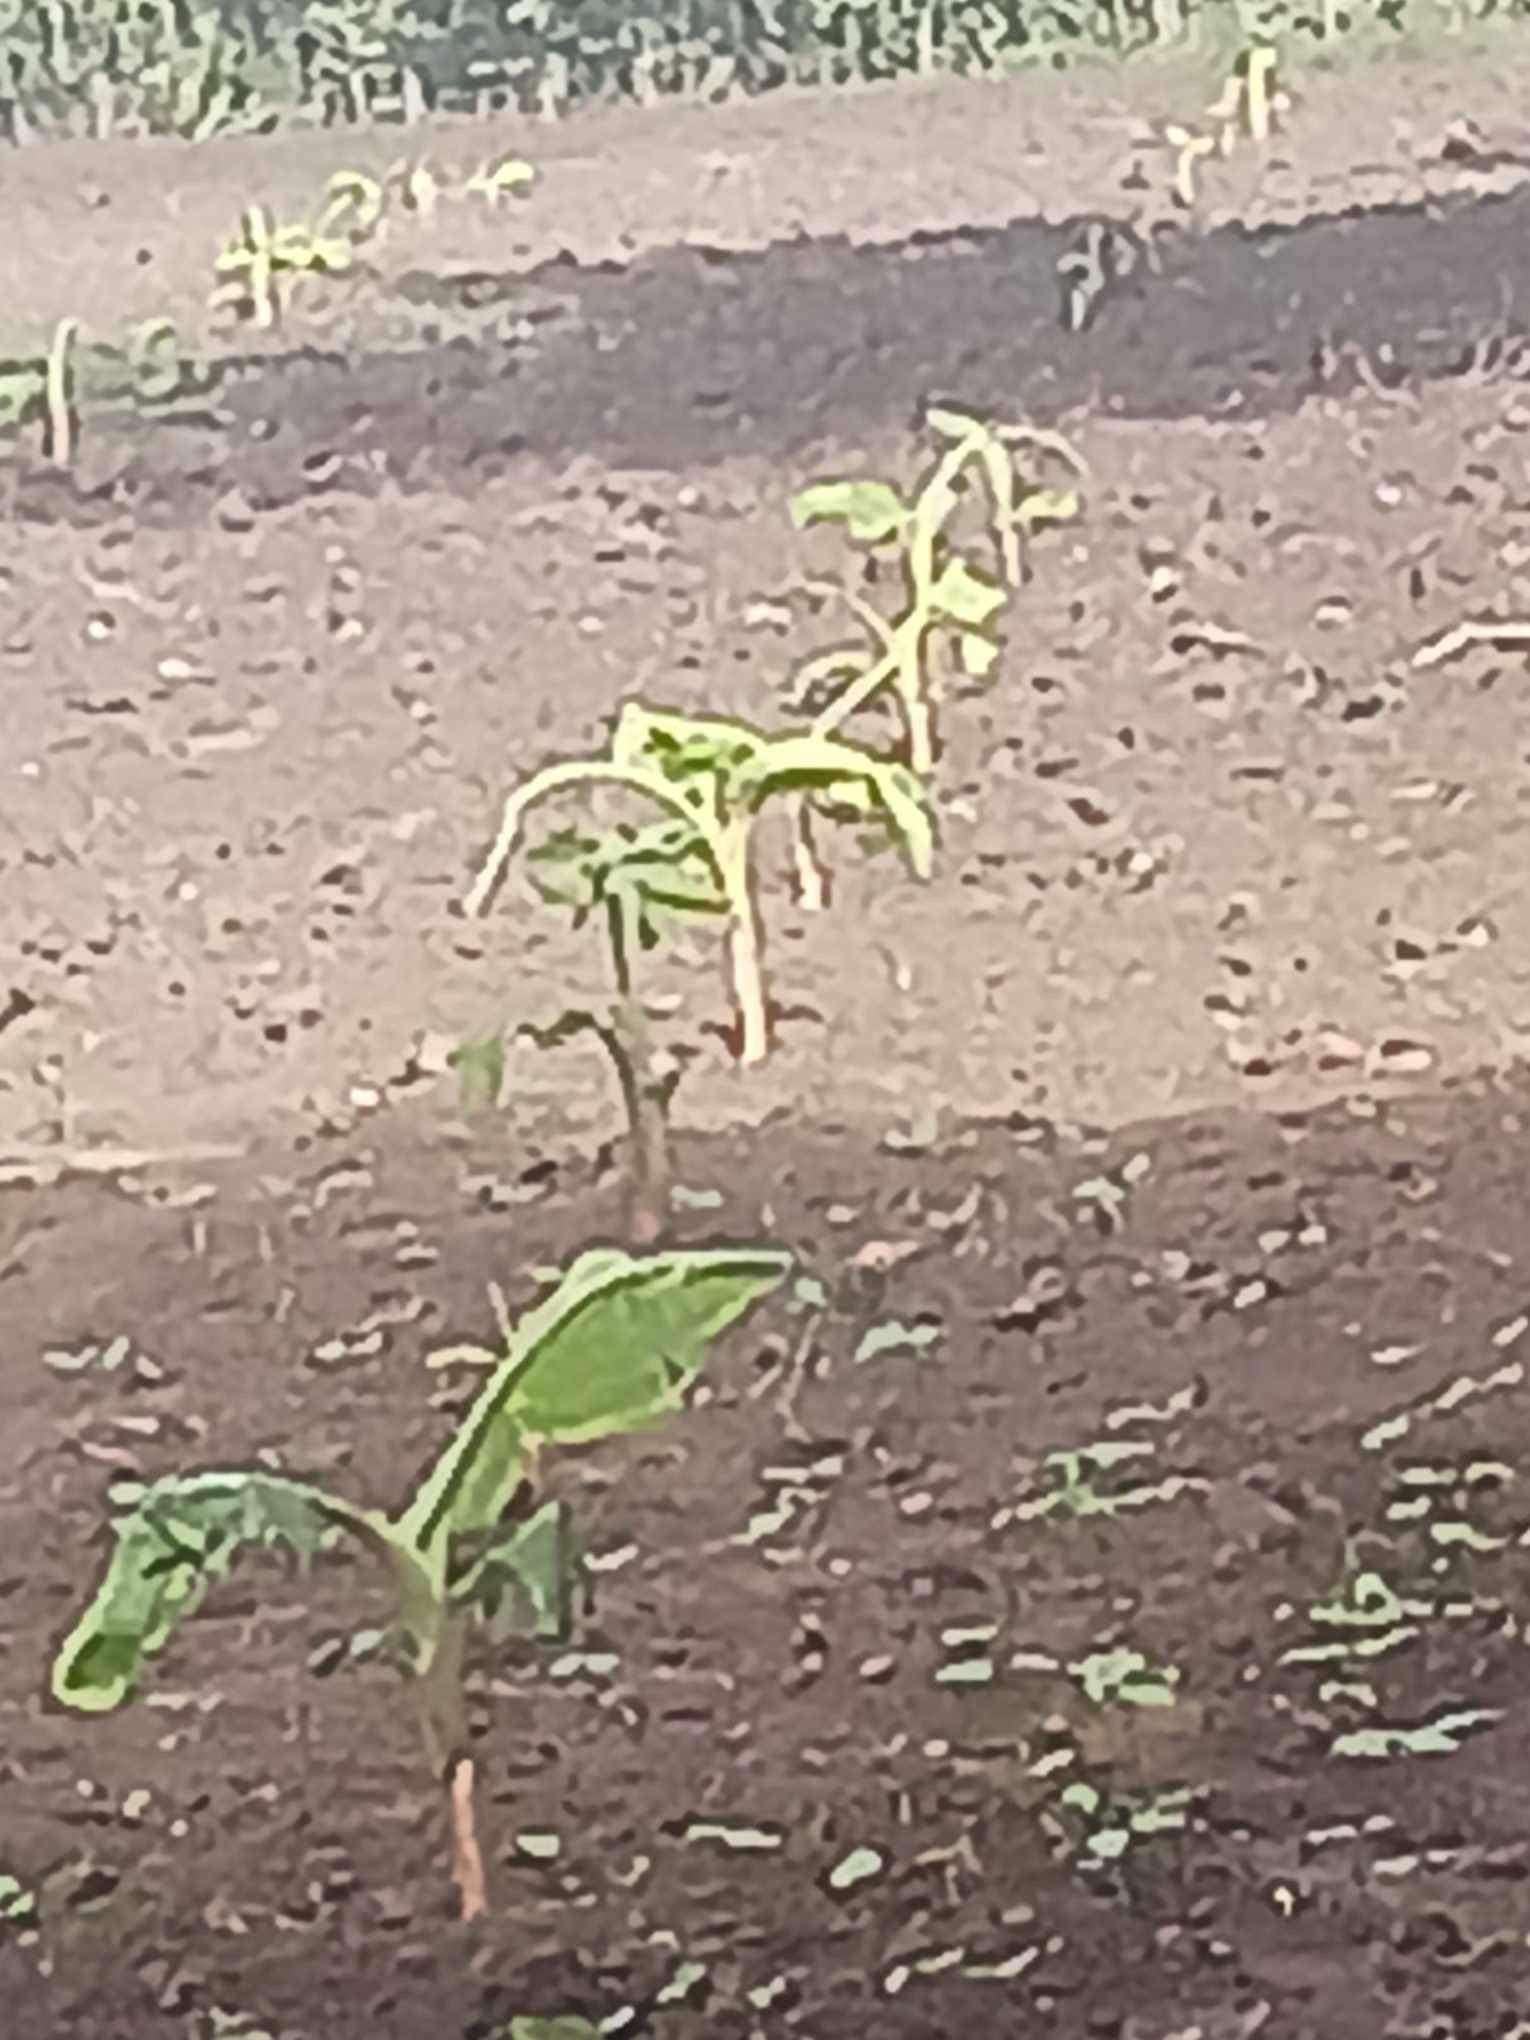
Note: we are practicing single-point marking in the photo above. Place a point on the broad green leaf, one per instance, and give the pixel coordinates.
(613, 1348)
(965, 595)
(523, 1578)
(553, 2029)
(872, 511)
(182, 1536)
(809, 763)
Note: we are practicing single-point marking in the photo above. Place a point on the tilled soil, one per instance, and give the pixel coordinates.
(1223, 828)
(1233, 832)
(828, 1616)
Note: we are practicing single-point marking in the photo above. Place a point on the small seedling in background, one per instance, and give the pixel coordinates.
(1073, 1489)
(944, 591)
(1190, 148)
(1258, 69)
(418, 187)
(263, 257)
(1102, 1830)
(58, 385)
(1249, 95)
(50, 388)
(1125, 1676)
(713, 776)
(503, 179)
(613, 1349)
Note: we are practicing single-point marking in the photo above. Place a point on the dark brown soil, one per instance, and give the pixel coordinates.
(691, 356)
(1308, 1327)
(1231, 869)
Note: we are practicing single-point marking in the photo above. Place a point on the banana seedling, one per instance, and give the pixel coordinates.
(264, 259)
(43, 387)
(1250, 95)
(614, 1348)
(501, 179)
(637, 882)
(50, 388)
(59, 395)
(945, 592)
(711, 777)
(418, 187)
(1190, 148)
(946, 595)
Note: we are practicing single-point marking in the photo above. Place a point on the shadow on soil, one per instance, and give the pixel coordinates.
(852, 1738)
(690, 355)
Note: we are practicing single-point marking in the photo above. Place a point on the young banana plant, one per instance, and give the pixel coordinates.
(614, 1348)
(712, 777)
(635, 881)
(945, 593)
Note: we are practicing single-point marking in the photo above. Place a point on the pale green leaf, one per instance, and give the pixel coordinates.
(1047, 506)
(553, 2029)
(966, 596)
(682, 747)
(523, 1577)
(653, 870)
(822, 763)
(612, 1349)
(956, 425)
(978, 654)
(871, 511)
(183, 1535)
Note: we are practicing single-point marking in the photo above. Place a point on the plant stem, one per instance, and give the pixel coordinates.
(812, 878)
(257, 234)
(726, 844)
(645, 1094)
(746, 962)
(625, 1039)
(444, 1721)
(60, 394)
(467, 1859)
(646, 1104)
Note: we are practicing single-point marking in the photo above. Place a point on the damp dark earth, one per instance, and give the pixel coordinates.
(1089, 1593)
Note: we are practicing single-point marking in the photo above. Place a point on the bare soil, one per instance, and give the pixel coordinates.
(1185, 1108)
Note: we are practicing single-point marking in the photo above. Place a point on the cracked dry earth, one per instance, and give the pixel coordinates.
(1103, 1608)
